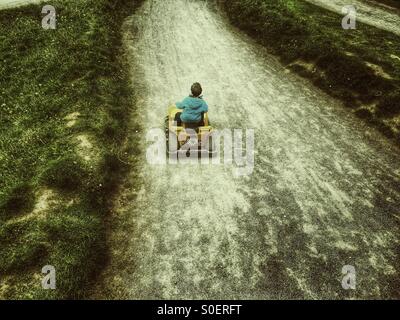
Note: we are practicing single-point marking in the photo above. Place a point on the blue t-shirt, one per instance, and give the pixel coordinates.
(192, 109)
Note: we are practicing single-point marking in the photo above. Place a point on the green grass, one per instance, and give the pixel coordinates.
(45, 75)
(299, 32)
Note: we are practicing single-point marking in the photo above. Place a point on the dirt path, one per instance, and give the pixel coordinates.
(324, 193)
(379, 16)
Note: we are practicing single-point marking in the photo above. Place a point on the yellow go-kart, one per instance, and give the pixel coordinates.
(186, 138)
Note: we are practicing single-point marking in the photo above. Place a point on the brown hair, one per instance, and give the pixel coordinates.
(196, 89)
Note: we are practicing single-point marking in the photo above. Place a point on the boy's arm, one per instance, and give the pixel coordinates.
(205, 106)
(181, 105)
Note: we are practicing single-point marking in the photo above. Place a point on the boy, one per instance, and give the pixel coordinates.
(193, 106)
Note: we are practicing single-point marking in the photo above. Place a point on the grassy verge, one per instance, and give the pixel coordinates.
(361, 67)
(65, 98)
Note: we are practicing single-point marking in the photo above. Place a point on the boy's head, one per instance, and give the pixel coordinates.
(196, 90)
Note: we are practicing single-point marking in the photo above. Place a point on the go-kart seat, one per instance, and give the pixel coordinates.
(194, 125)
